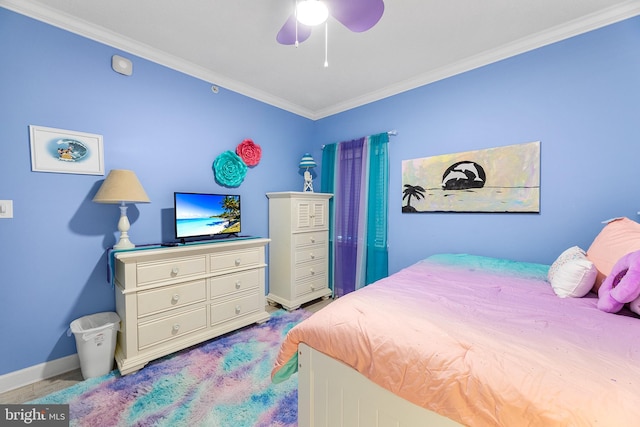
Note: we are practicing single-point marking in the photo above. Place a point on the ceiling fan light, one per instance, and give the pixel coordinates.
(311, 12)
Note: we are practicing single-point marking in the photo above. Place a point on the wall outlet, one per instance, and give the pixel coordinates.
(6, 208)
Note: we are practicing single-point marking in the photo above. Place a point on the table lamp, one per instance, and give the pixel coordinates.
(307, 163)
(120, 187)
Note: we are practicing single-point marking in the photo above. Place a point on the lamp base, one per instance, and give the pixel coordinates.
(308, 182)
(124, 243)
(123, 227)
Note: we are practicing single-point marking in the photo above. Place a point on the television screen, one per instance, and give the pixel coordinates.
(206, 215)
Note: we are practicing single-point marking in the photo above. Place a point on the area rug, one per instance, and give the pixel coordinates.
(224, 382)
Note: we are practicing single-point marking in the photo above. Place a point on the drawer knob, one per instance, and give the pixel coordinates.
(311, 271)
(238, 309)
(313, 239)
(238, 284)
(176, 327)
(175, 271)
(313, 288)
(312, 256)
(238, 261)
(175, 297)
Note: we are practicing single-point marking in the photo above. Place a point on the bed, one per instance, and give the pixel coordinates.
(464, 340)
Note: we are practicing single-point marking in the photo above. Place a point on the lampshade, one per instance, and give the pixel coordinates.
(311, 12)
(307, 161)
(121, 186)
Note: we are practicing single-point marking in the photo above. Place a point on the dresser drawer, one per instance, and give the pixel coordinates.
(237, 307)
(169, 297)
(155, 271)
(236, 259)
(171, 327)
(235, 282)
(311, 253)
(306, 239)
(310, 271)
(316, 284)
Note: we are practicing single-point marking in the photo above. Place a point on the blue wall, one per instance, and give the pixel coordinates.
(579, 97)
(164, 125)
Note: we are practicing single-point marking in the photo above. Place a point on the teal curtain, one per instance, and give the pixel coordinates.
(327, 185)
(357, 174)
(377, 262)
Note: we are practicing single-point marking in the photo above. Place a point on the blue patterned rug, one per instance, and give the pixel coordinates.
(224, 382)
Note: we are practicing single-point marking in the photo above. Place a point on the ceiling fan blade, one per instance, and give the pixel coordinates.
(287, 34)
(356, 15)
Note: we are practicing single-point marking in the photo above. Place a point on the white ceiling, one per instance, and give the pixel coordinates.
(231, 43)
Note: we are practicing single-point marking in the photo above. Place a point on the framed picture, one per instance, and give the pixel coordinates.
(501, 179)
(66, 151)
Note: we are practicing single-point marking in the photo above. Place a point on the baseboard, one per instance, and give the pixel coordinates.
(40, 372)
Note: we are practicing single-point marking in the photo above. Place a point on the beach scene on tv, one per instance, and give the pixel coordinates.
(206, 214)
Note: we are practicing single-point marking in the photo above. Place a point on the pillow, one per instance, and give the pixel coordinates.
(572, 274)
(618, 237)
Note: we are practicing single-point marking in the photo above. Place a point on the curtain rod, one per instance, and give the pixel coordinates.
(390, 133)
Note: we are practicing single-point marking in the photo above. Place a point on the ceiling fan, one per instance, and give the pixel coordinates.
(357, 15)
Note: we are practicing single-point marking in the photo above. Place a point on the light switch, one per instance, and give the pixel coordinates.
(6, 208)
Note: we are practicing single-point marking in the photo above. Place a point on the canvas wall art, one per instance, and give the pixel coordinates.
(66, 151)
(500, 179)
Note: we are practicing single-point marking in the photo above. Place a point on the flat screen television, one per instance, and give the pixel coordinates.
(200, 216)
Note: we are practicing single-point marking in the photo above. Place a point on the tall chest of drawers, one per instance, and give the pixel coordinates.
(170, 298)
(299, 248)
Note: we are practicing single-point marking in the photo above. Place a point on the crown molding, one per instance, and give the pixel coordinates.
(562, 32)
(101, 35)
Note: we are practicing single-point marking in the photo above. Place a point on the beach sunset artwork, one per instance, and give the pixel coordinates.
(500, 179)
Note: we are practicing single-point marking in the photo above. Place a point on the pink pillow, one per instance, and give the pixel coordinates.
(618, 237)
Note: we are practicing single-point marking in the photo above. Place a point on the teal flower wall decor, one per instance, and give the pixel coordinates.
(229, 169)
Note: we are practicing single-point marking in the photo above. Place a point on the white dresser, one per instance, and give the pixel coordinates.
(169, 298)
(299, 248)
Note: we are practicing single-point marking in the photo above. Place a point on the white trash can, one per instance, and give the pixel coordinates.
(96, 342)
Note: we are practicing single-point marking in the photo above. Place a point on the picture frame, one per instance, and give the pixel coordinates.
(66, 151)
(499, 179)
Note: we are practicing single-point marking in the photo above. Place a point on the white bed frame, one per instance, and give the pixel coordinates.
(332, 394)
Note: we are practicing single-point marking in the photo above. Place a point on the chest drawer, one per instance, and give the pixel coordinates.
(237, 307)
(306, 239)
(171, 327)
(169, 297)
(316, 284)
(311, 253)
(156, 271)
(309, 271)
(235, 282)
(236, 259)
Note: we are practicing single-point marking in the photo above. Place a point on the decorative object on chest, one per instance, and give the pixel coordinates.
(121, 187)
(307, 163)
(170, 298)
(299, 248)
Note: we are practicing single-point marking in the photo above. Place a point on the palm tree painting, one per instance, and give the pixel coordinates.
(409, 192)
(501, 179)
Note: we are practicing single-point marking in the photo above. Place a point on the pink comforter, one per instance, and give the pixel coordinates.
(484, 343)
